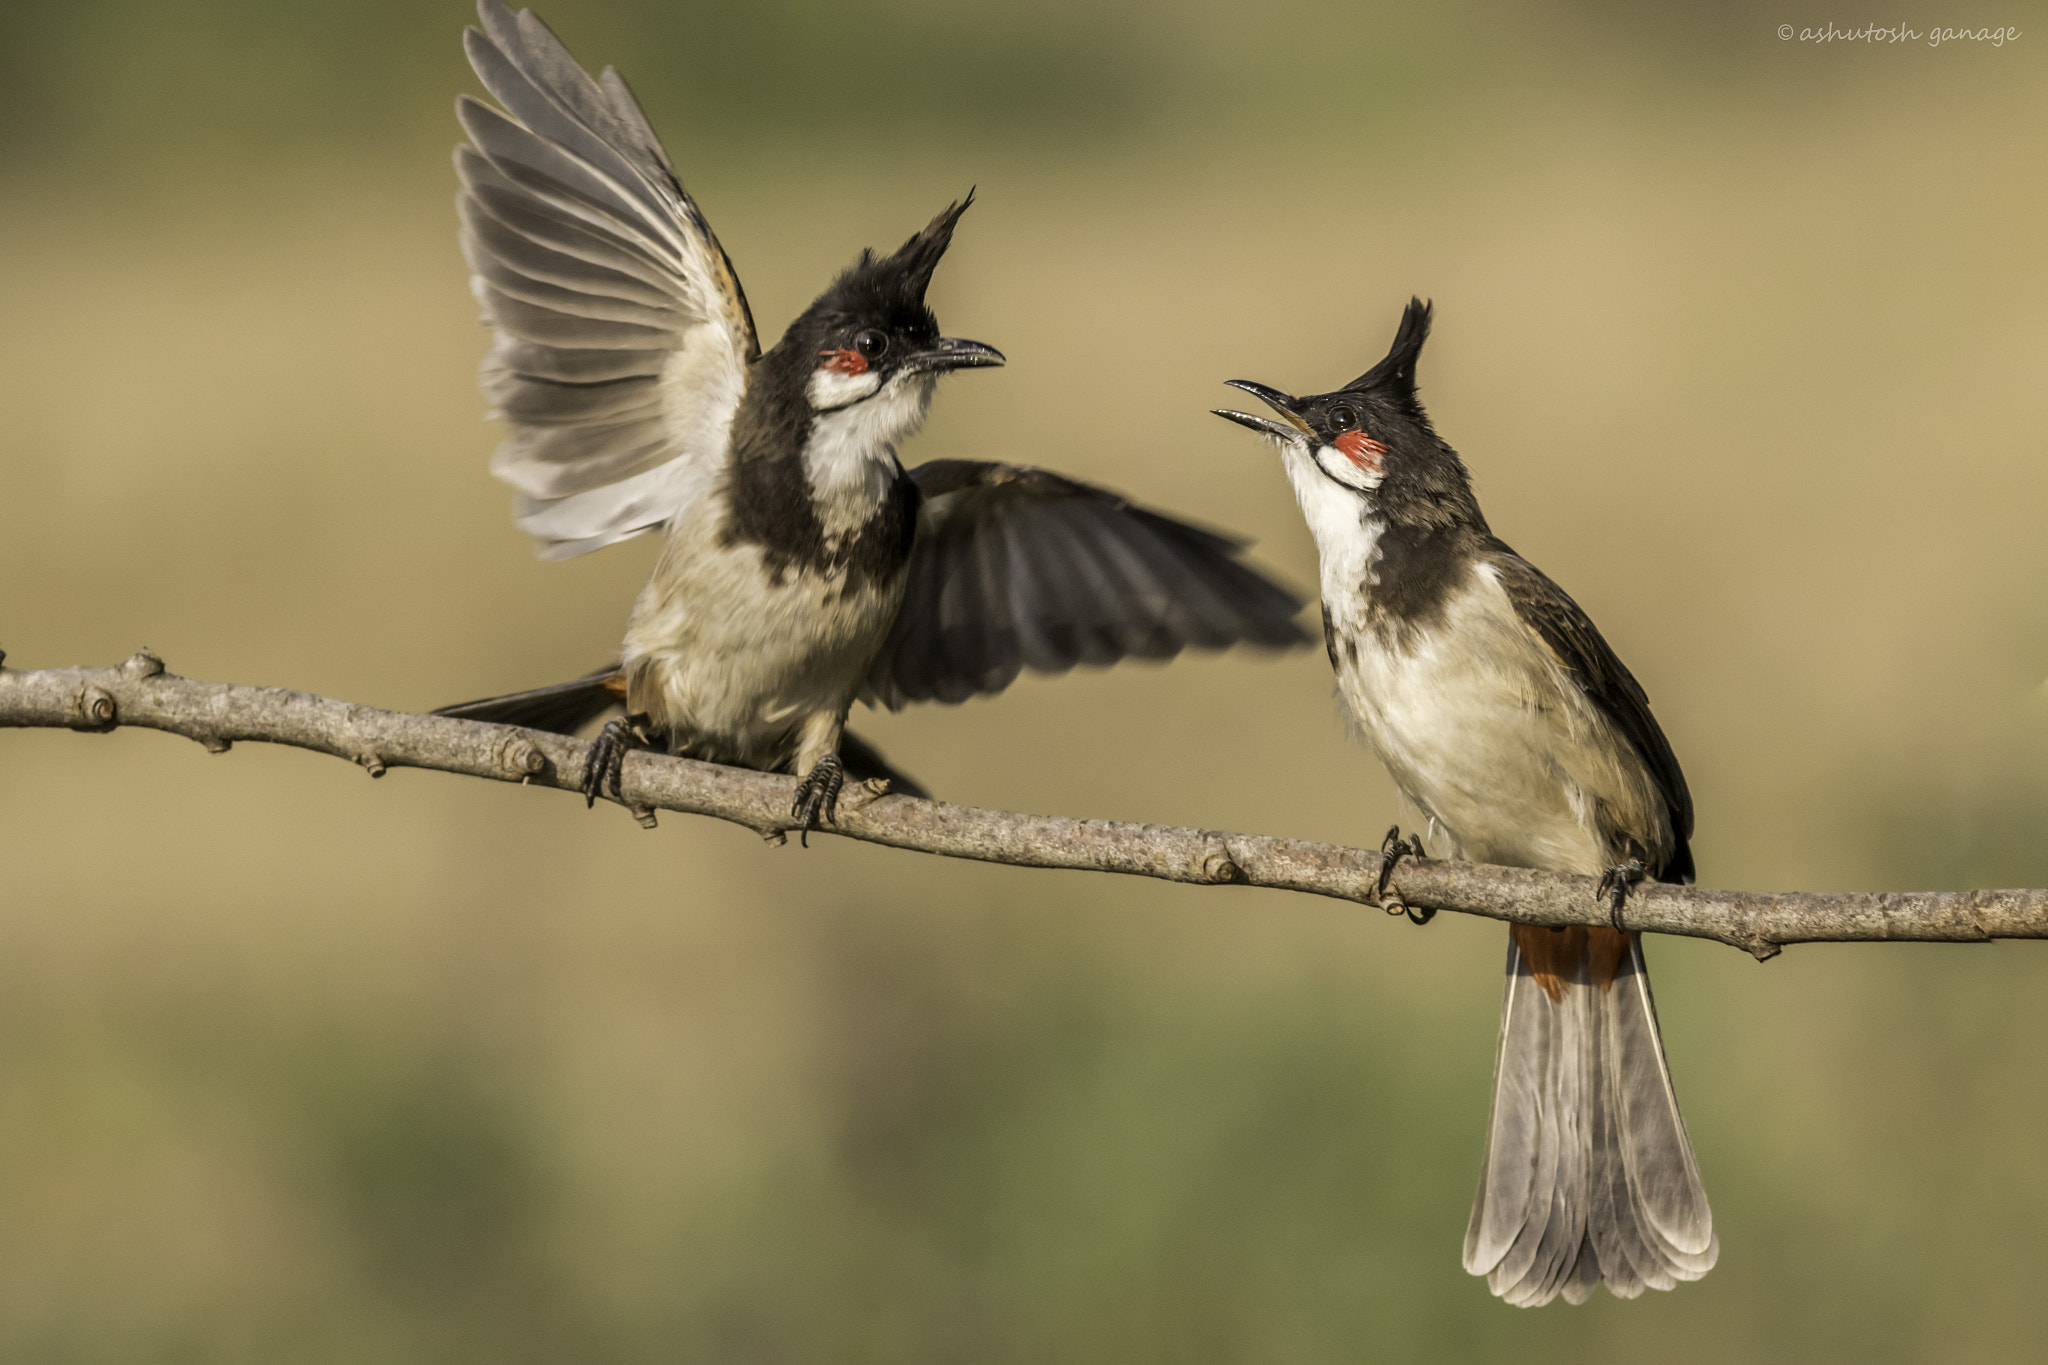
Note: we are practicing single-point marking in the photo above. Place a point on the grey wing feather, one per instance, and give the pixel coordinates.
(623, 336)
(1017, 568)
(1608, 684)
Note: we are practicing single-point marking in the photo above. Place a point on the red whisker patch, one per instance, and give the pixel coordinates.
(844, 362)
(1361, 449)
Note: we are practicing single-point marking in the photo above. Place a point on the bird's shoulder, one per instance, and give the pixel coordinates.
(1597, 671)
(766, 500)
(1412, 576)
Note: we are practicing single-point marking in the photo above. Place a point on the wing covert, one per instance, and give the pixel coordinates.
(623, 336)
(1017, 568)
(1607, 683)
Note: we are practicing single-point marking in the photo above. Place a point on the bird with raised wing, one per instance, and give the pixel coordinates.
(802, 566)
(1506, 719)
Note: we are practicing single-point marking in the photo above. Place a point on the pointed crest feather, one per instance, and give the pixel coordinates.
(1394, 377)
(894, 284)
(919, 256)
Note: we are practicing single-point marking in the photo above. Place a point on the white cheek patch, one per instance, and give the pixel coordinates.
(831, 387)
(1340, 466)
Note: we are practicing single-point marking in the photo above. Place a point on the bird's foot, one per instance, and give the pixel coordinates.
(817, 796)
(1615, 884)
(604, 763)
(1393, 849)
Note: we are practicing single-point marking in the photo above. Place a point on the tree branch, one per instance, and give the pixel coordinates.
(140, 693)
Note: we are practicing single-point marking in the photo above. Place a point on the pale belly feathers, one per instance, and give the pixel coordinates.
(1476, 721)
(742, 668)
(1484, 731)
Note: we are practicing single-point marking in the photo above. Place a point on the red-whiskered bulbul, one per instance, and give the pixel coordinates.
(1505, 718)
(802, 567)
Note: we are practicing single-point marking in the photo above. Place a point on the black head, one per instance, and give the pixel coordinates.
(1372, 436)
(872, 326)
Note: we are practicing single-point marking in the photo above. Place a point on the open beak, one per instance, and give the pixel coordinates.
(954, 353)
(1294, 430)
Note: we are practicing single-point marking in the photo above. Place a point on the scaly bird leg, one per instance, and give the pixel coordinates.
(817, 796)
(1393, 849)
(604, 763)
(1615, 884)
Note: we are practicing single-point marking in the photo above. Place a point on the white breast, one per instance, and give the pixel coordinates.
(735, 662)
(1476, 721)
(1483, 730)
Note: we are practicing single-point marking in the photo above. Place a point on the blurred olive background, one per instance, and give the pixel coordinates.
(1744, 341)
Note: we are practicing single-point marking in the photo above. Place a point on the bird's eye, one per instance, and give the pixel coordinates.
(1343, 418)
(871, 343)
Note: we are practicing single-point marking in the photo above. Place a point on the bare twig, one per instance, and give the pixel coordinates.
(141, 693)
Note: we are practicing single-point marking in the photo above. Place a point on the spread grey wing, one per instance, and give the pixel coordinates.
(1607, 683)
(1017, 568)
(623, 337)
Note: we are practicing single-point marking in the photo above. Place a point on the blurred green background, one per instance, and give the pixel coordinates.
(1744, 340)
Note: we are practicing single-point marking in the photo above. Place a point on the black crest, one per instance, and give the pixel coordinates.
(915, 260)
(1393, 379)
(894, 285)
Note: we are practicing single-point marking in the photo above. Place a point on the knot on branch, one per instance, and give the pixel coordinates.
(1217, 865)
(371, 763)
(95, 710)
(865, 794)
(142, 664)
(523, 758)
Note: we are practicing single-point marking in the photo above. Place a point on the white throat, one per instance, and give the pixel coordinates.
(850, 458)
(1346, 534)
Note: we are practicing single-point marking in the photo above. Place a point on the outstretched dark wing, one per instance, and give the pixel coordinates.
(1607, 683)
(623, 337)
(1019, 568)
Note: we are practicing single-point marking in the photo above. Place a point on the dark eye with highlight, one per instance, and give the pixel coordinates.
(1343, 418)
(871, 344)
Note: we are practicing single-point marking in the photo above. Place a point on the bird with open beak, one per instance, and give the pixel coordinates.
(1503, 716)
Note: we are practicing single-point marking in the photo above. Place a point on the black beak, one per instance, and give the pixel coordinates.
(1279, 402)
(953, 353)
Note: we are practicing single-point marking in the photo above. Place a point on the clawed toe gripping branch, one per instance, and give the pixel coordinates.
(1393, 849)
(817, 796)
(604, 764)
(141, 694)
(1615, 884)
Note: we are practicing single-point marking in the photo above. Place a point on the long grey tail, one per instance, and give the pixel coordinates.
(1588, 1174)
